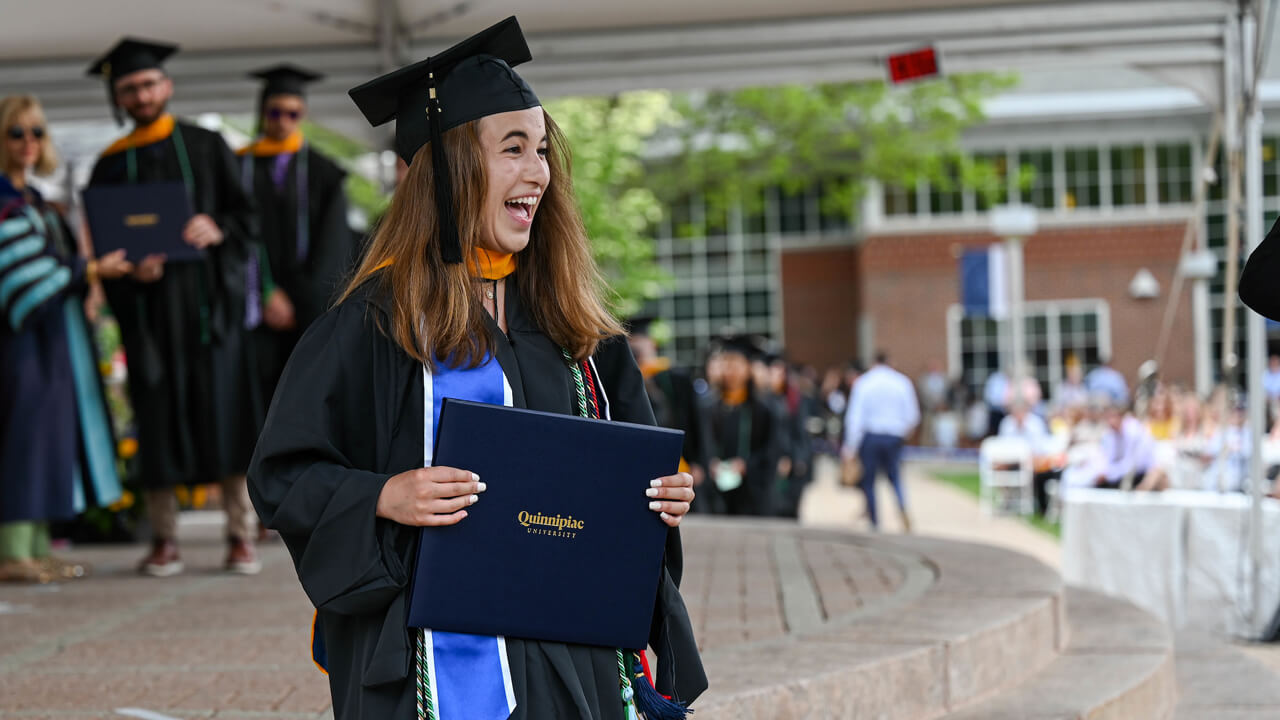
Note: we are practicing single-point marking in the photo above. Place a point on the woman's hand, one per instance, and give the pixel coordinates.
(112, 266)
(429, 497)
(670, 497)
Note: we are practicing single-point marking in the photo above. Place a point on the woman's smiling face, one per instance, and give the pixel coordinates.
(515, 152)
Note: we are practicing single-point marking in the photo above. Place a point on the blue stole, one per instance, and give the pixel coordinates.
(468, 674)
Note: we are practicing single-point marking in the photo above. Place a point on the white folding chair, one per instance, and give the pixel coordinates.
(1005, 467)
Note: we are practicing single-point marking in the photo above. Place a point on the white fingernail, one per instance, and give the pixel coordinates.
(651, 492)
(482, 487)
(474, 498)
(655, 506)
(475, 477)
(655, 483)
(666, 516)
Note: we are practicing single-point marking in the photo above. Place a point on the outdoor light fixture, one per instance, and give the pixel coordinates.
(1144, 285)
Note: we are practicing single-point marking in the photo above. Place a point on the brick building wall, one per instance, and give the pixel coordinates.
(820, 305)
(907, 283)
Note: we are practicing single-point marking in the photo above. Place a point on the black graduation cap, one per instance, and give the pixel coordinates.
(744, 345)
(640, 325)
(283, 79)
(128, 56)
(468, 81)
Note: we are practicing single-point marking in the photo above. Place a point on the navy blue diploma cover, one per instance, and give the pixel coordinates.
(562, 545)
(143, 219)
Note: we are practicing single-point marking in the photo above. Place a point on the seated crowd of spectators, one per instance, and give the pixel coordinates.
(1094, 433)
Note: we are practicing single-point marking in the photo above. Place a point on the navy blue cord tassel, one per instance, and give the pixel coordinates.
(651, 704)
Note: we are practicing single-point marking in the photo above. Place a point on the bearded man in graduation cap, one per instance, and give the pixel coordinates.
(304, 246)
(183, 322)
(479, 284)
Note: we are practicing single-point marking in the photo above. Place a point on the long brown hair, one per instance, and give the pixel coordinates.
(436, 310)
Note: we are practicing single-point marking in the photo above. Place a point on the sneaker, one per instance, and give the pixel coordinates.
(242, 559)
(163, 561)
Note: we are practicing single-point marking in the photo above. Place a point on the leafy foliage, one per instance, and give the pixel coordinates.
(731, 145)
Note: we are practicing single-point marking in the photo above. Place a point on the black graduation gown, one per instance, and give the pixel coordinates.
(190, 378)
(675, 405)
(347, 415)
(755, 420)
(310, 275)
(1260, 281)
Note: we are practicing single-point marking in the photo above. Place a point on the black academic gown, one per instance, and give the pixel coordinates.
(190, 378)
(347, 415)
(1260, 281)
(754, 422)
(309, 271)
(675, 405)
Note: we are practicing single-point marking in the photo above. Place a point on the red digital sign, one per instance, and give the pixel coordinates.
(913, 65)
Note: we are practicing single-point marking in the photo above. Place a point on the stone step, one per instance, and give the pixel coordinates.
(1118, 664)
(1216, 681)
(986, 619)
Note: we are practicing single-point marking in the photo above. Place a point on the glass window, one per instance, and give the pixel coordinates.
(1055, 333)
(1128, 175)
(834, 214)
(757, 303)
(718, 308)
(684, 307)
(717, 256)
(946, 196)
(992, 181)
(717, 221)
(682, 225)
(1083, 179)
(792, 211)
(1173, 166)
(753, 211)
(900, 201)
(1037, 165)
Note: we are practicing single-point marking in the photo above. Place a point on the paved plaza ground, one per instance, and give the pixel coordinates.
(207, 644)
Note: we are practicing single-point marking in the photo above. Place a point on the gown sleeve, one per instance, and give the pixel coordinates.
(32, 277)
(312, 477)
(331, 248)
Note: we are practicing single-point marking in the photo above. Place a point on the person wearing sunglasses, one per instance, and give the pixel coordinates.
(304, 245)
(183, 322)
(56, 451)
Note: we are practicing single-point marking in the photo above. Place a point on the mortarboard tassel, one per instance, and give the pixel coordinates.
(651, 704)
(450, 244)
(116, 113)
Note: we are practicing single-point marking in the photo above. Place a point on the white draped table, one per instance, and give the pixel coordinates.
(1180, 554)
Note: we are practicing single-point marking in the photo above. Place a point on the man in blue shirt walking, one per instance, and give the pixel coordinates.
(882, 414)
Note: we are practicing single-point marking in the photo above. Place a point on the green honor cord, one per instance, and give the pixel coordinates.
(624, 674)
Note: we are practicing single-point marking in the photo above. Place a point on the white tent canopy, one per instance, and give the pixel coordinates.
(594, 46)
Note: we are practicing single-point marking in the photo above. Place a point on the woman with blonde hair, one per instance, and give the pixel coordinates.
(56, 450)
(479, 277)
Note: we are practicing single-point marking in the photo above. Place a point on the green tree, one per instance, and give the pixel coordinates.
(608, 138)
(730, 145)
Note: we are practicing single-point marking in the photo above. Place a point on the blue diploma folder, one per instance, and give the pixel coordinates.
(562, 545)
(142, 218)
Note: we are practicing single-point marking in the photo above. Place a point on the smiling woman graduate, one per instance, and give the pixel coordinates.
(480, 276)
